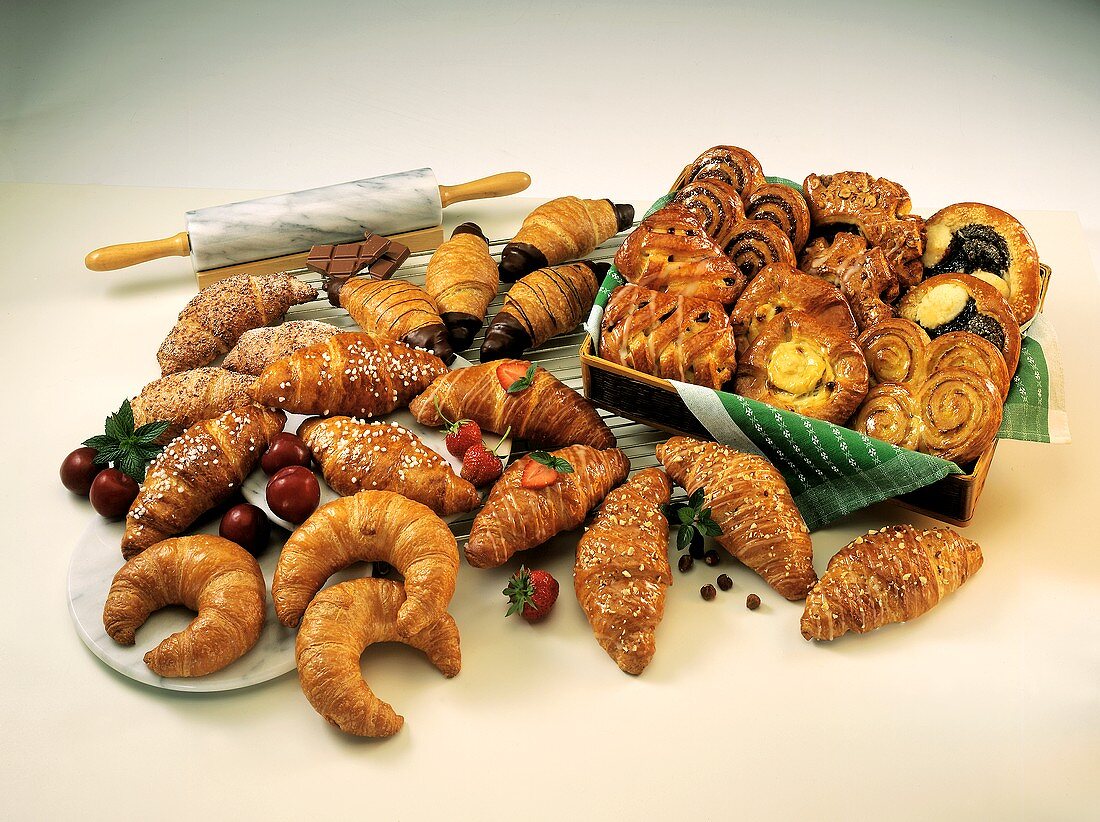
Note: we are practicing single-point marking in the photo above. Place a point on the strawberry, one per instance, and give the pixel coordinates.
(516, 375)
(462, 436)
(531, 594)
(480, 466)
(542, 470)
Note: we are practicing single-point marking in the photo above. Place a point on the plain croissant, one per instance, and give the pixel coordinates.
(208, 574)
(184, 398)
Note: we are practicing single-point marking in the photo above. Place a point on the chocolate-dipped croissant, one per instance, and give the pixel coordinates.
(462, 279)
(397, 310)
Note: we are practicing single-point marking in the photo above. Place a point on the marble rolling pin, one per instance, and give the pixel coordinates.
(269, 234)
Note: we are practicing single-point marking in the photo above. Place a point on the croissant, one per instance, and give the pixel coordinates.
(358, 375)
(379, 526)
(564, 229)
(752, 505)
(733, 166)
(516, 518)
(397, 310)
(196, 471)
(258, 348)
(218, 315)
(339, 625)
(547, 414)
(208, 574)
(462, 280)
(357, 456)
(541, 305)
(184, 398)
(891, 575)
(622, 569)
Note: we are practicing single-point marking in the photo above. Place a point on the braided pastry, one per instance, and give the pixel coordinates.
(757, 243)
(399, 311)
(733, 166)
(784, 206)
(861, 274)
(716, 206)
(462, 280)
(891, 575)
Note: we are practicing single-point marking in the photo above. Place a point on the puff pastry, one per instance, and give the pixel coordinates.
(462, 279)
(758, 243)
(258, 348)
(861, 274)
(184, 398)
(397, 310)
(731, 165)
(783, 205)
(716, 206)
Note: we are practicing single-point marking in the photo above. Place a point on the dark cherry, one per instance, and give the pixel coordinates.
(79, 469)
(248, 526)
(293, 493)
(112, 493)
(285, 449)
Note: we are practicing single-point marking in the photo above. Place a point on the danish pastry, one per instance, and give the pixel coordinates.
(716, 206)
(783, 205)
(861, 274)
(757, 243)
(733, 166)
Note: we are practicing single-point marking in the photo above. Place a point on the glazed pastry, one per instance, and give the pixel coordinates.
(547, 414)
(357, 375)
(861, 274)
(212, 576)
(359, 456)
(340, 624)
(733, 166)
(260, 347)
(622, 570)
(783, 205)
(800, 365)
(960, 302)
(196, 471)
(669, 336)
(752, 505)
(961, 349)
(780, 287)
(218, 315)
(517, 518)
(540, 306)
(891, 413)
(375, 526)
(561, 230)
(891, 575)
(716, 206)
(902, 244)
(895, 351)
(397, 310)
(977, 239)
(462, 280)
(757, 243)
(184, 398)
(670, 251)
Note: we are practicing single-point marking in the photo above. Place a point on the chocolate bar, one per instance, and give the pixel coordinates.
(390, 261)
(375, 256)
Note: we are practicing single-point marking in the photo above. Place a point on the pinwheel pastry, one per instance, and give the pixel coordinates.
(669, 336)
(375, 526)
(540, 306)
(622, 570)
(783, 205)
(184, 398)
(526, 508)
(196, 471)
(360, 456)
(338, 626)
(218, 315)
(462, 279)
(536, 406)
(564, 229)
(212, 576)
(752, 506)
(780, 287)
(861, 274)
(354, 374)
(260, 347)
(977, 239)
(670, 251)
(717, 207)
(800, 365)
(733, 166)
(397, 310)
(895, 574)
(757, 243)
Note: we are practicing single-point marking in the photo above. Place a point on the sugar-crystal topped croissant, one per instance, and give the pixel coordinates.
(397, 310)
(186, 397)
(462, 279)
(258, 348)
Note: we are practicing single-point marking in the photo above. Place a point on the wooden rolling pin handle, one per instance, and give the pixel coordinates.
(496, 185)
(112, 257)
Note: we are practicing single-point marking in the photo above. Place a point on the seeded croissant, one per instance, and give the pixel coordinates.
(260, 347)
(184, 398)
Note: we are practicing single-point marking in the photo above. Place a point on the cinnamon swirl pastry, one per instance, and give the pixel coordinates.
(784, 206)
(861, 274)
(890, 413)
(895, 350)
(715, 205)
(728, 164)
(757, 243)
(961, 349)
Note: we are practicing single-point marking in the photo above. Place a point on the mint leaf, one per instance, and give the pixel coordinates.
(525, 381)
(151, 430)
(683, 538)
(686, 516)
(697, 498)
(557, 463)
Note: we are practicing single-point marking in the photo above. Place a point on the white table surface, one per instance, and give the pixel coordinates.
(986, 707)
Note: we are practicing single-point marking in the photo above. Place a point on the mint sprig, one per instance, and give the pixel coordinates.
(524, 382)
(557, 463)
(693, 517)
(128, 449)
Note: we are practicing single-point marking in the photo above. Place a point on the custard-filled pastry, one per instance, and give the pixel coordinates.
(360, 456)
(353, 374)
(784, 206)
(340, 624)
(752, 505)
(540, 306)
(800, 365)
(759, 243)
(861, 274)
(517, 518)
(622, 572)
(462, 279)
(547, 413)
(977, 239)
(397, 310)
(196, 471)
(260, 347)
(184, 398)
(670, 251)
(561, 230)
(375, 526)
(780, 287)
(960, 302)
(212, 576)
(733, 166)
(668, 335)
(716, 206)
(891, 575)
(218, 315)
